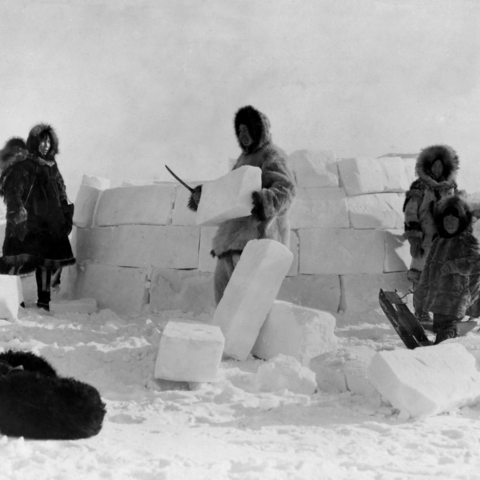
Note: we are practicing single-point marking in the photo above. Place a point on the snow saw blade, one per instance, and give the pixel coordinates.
(179, 180)
(404, 322)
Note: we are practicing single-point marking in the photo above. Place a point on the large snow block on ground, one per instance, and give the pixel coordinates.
(139, 246)
(344, 369)
(82, 305)
(143, 205)
(361, 291)
(185, 290)
(229, 196)
(369, 175)
(250, 293)
(285, 372)
(428, 380)
(182, 215)
(397, 251)
(123, 290)
(319, 208)
(382, 211)
(85, 205)
(10, 296)
(189, 352)
(341, 250)
(315, 291)
(300, 332)
(313, 169)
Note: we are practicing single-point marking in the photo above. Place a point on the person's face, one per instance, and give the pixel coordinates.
(244, 136)
(44, 146)
(451, 223)
(437, 169)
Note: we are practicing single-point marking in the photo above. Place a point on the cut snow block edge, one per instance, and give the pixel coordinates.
(427, 380)
(229, 196)
(189, 352)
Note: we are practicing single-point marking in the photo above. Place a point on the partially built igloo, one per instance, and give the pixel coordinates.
(138, 246)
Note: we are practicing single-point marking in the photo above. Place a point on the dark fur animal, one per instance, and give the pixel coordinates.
(36, 403)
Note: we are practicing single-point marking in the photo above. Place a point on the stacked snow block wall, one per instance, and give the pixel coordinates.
(138, 247)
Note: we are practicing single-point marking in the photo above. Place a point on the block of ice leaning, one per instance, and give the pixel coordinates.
(285, 372)
(11, 296)
(428, 380)
(314, 168)
(189, 352)
(300, 332)
(85, 204)
(229, 196)
(250, 293)
(82, 305)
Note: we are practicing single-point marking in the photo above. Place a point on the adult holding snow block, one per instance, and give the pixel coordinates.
(428, 380)
(189, 352)
(269, 216)
(36, 403)
(229, 197)
(39, 214)
(249, 295)
(436, 169)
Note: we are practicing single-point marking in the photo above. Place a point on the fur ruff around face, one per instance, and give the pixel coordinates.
(34, 139)
(14, 151)
(258, 127)
(429, 156)
(458, 208)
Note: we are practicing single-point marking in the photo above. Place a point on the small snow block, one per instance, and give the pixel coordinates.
(11, 296)
(314, 169)
(250, 293)
(428, 380)
(82, 305)
(85, 204)
(300, 332)
(189, 352)
(229, 196)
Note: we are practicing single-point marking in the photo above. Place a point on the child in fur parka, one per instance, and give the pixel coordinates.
(450, 283)
(436, 169)
(269, 218)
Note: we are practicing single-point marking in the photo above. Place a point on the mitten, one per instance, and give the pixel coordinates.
(416, 250)
(195, 198)
(19, 221)
(258, 212)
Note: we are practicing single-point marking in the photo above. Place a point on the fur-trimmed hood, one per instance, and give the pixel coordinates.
(429, 156)
(457, 207)
(34, 138)
(14, 151)
(258, 127)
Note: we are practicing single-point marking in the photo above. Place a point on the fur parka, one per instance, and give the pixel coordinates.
(38, 214)
(450, 281)
(274, 199)
(422, 196)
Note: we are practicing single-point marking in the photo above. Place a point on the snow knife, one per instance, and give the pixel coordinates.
(180, 180)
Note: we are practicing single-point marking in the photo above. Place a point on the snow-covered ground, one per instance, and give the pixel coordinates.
(226, 430)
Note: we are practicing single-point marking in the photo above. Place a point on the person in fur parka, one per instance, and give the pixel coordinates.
(436, 169)
(269, 218)
(450, 282)
(39, 217)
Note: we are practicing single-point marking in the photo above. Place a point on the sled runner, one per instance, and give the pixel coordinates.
(404, 322)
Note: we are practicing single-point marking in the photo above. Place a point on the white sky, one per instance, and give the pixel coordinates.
(133, 85)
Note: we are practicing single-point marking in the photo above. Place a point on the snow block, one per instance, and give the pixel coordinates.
(341, 251)
(10, 296)
(229, 196)
(85, 205)
(397, 251)
(295, 249)
(344, 369)
(123, 290)
(250, 293)
(428, 380)
(285, 372)
(399, 172)
(189, 352)
(96, 182)
(299, 332)
(185, 290)
(140, 205)
(313, 169)
(206, 263)
(139, 246)
(382, 211)
(82, 305)
(315, 291)
(319, 208)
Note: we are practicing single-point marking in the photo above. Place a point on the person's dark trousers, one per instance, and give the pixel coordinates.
(43, 276)
(445, 326)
